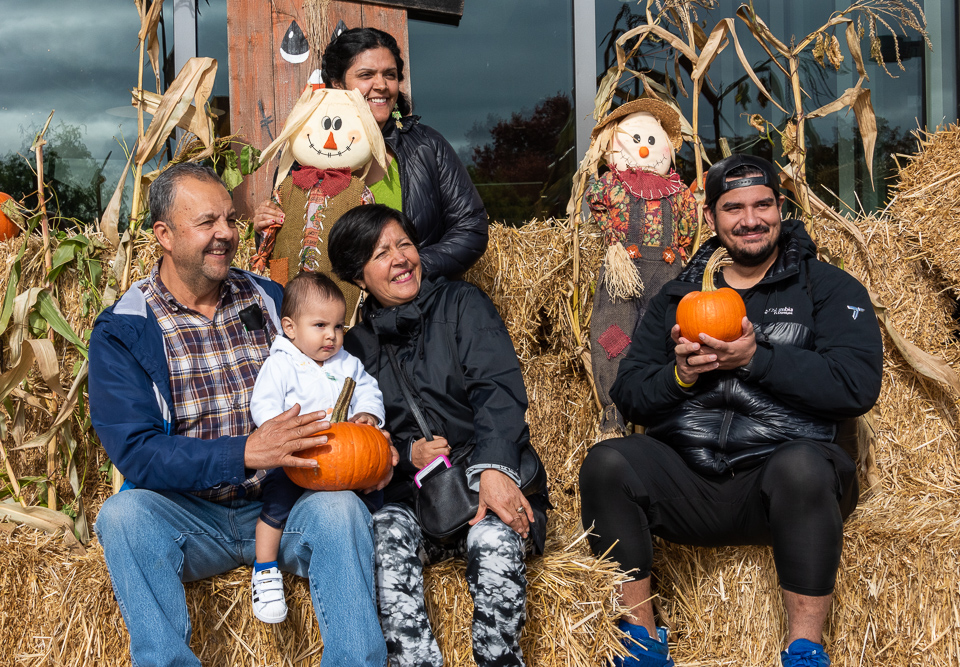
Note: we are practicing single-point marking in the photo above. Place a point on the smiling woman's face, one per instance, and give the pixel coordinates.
(333, 137)
(392, 274)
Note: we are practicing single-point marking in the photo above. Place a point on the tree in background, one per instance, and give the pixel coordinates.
(517, 172)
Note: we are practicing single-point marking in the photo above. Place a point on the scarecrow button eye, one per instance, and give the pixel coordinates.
(652, 140)
(637, 139)
(337, 123)
(326, 122)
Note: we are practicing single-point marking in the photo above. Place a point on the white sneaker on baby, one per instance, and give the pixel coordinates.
(268, 603)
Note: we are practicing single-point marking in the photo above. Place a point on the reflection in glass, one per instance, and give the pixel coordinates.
(80, 58)
(836, 165)
(498, 87)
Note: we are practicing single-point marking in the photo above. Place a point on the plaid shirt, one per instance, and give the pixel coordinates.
(213, 366)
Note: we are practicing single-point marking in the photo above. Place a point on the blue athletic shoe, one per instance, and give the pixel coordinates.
(805, 653)
(643, 650)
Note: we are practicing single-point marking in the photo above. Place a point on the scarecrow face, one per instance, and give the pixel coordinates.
(333, 137)
(639, 142)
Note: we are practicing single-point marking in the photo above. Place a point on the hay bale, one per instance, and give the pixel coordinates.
(926, 205)
(74, 620)
(896, 598)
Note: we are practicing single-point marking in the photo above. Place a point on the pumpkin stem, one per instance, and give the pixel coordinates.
(343, 402)
(719, 259)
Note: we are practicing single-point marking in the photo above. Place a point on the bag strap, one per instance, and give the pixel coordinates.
(402, 381)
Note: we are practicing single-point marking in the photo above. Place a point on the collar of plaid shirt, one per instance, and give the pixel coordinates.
(213, 365)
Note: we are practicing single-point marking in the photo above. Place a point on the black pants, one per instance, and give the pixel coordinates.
(796, 501)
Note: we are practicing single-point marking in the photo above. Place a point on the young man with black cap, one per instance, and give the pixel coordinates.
(739, 446)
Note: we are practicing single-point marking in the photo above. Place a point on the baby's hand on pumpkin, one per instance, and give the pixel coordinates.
(365, 418)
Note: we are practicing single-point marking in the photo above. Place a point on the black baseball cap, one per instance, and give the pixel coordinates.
(717, 183)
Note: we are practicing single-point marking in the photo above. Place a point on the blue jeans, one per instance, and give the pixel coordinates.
(154, 541)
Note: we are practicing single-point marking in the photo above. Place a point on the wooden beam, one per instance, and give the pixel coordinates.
(442, 10)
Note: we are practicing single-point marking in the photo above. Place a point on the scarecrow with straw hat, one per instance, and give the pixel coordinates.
(647, 215)
(326, 147)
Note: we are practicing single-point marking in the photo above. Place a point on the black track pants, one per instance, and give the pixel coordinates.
(796, 502)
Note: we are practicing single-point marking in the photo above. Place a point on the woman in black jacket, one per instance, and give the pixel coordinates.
(454, 363)
(424, 178)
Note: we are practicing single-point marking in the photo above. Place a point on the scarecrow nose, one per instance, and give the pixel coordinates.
(644, 151)
(331, 143)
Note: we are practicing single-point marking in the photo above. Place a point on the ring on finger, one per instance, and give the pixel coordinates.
(520, 511)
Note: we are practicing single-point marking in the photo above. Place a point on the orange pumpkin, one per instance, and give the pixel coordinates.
(356, 456)
(8, 230)
(718, 314)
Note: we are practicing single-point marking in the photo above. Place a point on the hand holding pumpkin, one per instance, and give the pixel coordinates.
(365, 418)
(732, 354)
(277, 440)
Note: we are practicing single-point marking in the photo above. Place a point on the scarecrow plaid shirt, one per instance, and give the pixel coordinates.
(213, 366)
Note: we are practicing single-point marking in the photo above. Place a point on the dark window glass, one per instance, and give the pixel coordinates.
(80, 58)
(499, 88)
(835, 157)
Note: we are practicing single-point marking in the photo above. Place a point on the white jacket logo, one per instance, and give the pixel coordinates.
(856, 311)
(786, 310)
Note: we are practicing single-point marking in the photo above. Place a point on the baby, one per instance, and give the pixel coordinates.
(307, 366)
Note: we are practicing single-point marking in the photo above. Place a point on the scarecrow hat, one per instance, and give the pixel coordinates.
(668, 116)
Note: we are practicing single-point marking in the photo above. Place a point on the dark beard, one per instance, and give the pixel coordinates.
(754, 257)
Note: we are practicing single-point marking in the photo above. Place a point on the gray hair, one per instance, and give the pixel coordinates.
(163, 191)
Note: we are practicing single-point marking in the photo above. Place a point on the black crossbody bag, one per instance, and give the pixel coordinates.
(445, 504)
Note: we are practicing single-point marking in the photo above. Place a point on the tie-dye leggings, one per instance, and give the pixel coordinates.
(495, 575)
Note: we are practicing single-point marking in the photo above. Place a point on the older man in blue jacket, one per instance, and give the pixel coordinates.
(172, 368)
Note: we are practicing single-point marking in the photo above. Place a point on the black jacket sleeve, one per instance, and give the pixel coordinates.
(494, 383)
(463, 218)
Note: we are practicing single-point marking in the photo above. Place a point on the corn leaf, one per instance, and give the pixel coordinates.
(188, 93)
(715, 44)
(109, 223)
(660, 32)
(867, 122)
(249, 159)
(49, 311)
(232, 176)
(149, 20)
(42, 518)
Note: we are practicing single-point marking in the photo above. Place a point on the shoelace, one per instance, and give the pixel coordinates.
(805, 659)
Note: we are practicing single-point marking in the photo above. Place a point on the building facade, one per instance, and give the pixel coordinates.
(510, 84)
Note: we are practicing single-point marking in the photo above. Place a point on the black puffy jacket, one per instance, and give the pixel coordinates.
(439, 198)
(818, 360)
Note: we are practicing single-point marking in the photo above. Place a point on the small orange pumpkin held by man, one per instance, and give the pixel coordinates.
(718, 314)
(8, 230)
(355, 456)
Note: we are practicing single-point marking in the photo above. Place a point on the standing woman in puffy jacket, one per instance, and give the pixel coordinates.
(424, 178)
